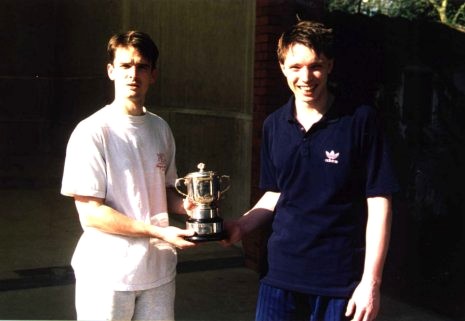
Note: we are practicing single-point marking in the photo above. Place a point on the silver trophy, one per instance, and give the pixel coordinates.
(204, 188)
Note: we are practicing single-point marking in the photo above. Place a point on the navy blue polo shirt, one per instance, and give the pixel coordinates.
(324, 176)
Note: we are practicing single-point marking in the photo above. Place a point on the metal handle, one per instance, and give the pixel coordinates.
(225, 178)
(177, 184)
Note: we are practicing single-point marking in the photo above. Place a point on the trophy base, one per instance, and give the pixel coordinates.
(206, 230)
(197, 238)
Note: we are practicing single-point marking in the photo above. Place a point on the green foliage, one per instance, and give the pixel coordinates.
(343, 5)
(450, 12)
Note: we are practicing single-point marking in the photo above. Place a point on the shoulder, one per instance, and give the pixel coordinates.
(93, 124)
(365, 111)
(368, 117)
(356, 112)
(282, 114)
(159, 127)
(157, 121)
(155, 118)
(100, 117)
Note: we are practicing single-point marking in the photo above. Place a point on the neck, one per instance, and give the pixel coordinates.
(316, 106)
(129, 107)
(309, 113)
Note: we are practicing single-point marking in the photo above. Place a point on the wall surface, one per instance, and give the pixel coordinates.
(55, 75)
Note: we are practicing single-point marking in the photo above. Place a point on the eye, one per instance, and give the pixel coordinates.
(294, 68)
(142, 67)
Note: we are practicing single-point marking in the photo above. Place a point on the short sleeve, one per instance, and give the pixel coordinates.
(268, 179)
(171, 171)
(380, 175)
(84, 170)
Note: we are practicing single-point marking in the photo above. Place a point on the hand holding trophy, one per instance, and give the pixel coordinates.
(204, 189)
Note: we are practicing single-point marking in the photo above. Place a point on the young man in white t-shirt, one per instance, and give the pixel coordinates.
(120, 170)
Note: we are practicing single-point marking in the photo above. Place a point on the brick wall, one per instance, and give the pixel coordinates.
(270, 91)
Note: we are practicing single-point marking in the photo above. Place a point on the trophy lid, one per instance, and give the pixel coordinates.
(201, 172)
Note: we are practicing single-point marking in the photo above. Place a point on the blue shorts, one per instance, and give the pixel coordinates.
(276, 304)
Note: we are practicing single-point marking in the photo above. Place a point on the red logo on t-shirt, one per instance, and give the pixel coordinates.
(161, 161)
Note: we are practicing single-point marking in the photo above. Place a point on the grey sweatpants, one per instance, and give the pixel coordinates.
(94, 303)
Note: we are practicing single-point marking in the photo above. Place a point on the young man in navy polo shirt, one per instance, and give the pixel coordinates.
(328, 182)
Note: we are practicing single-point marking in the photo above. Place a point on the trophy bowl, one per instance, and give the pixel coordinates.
(204, 188)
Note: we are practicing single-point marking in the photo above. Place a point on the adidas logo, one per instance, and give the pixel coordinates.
(331, 157)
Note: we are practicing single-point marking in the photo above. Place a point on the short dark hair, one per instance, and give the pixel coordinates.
(313, 35)
(137, 39)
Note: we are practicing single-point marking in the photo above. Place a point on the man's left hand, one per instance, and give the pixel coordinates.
(365, 301)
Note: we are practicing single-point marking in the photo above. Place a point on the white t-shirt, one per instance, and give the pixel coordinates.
(129, 161)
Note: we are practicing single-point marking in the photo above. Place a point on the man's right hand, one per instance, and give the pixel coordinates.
(175, 236)
(260, 214)
(233, 232)
(189, 206)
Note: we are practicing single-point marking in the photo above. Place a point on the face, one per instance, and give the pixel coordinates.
(306, 73)
(131, 73)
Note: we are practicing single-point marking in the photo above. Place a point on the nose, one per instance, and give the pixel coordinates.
(132, 72)
(305, 74)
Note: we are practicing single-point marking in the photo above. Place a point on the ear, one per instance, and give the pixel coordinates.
(110, 70)
(283, 69)
(154, 75)
(330, 65)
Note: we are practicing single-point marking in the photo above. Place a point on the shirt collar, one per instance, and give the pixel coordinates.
(332, 115)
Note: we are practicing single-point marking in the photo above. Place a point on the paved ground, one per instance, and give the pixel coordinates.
(38, 232)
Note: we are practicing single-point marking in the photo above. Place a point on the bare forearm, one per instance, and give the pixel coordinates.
(94, 213)
(377, 238)
(260, 214)
(365, 301)
(106, 219)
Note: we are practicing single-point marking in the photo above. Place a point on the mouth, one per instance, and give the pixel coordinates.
(133, 89)
(307, 89)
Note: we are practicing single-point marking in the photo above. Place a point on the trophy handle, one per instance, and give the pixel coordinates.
(177, 184)
(223, 179)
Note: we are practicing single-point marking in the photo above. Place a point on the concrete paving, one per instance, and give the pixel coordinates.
(38, 232)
